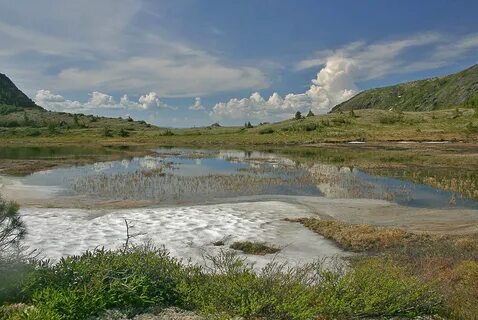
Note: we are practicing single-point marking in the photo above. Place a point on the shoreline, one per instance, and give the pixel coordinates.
(381, 213)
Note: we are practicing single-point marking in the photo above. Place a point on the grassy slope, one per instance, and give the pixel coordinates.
(422, 95)
(365, 125)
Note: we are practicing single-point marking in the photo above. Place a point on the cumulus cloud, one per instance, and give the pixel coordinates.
(150, 100)
(341, 70)
(55, 102)
(97, 100)
(332, 85)
(197, 106)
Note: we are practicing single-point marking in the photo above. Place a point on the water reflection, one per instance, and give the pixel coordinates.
(175, 175)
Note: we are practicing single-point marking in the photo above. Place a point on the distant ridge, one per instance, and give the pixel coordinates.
(422, 95)
(12, 96)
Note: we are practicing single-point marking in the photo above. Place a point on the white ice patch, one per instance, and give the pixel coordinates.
(187, 232)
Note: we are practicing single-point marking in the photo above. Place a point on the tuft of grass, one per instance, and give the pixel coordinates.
(255, 248)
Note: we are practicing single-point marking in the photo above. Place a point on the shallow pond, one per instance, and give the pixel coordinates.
(179, 176)
(186, 199)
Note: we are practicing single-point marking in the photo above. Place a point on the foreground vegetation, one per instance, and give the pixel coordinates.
(399, 275)
(448, 263)
(139, 278)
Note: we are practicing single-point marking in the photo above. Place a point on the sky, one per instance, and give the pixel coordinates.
(186, 63)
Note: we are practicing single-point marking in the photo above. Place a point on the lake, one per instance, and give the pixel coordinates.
(187, 199)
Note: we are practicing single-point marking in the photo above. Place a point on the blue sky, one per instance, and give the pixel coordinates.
(191, 63)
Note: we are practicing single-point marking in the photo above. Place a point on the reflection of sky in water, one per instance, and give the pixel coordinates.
(414, 194)
(337, 183)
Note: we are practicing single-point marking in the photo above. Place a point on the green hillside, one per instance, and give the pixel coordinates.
(423, 95)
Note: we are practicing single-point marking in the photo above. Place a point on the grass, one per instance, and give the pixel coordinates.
(358, 238)
(140, 278)
(448, 263)
(364, 125)
(254, 247)
(23, 160)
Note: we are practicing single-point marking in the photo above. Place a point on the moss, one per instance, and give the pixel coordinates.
(255, 248)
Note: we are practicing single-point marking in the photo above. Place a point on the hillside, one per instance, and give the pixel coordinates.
(18, 111)
(422, 95)
(10, 95)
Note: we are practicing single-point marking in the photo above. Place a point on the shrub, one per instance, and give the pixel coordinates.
(123, 133)
(52, 127)
(167, 133)
(12, 228)
(81, 286)
(309, 127)
(107, 132)
(463, 287)
(471, 127)
(10, 124)
(375, 287)
(7, 109)
(266, 131)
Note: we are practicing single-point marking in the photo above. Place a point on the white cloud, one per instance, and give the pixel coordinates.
(55, 102)
(332, 85)
(97, 100)
(150, 100)
(340, 70)
(99, 45)
(197, 106)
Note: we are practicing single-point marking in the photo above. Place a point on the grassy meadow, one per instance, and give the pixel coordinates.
(460, 124)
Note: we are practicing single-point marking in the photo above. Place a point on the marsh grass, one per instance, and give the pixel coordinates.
(254, 247)
(162, 185)
(358, 238)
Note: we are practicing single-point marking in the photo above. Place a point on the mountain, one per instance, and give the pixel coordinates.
(17, 110)
(12, 96)
(422, 95)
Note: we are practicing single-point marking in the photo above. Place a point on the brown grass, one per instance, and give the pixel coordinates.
(450, 263)
(358, 237)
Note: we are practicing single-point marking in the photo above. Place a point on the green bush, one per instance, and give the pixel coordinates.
(266, 131)
(107, 132)
(7, 109)
(123, 133)
(10, 124)
(167, 133)
(83, 286)
(376, 287)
